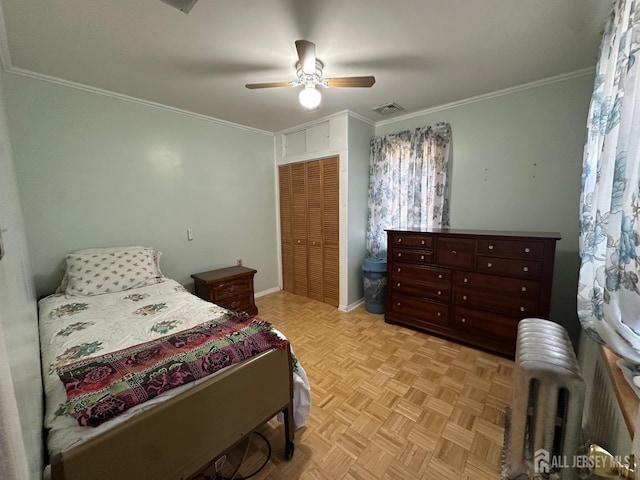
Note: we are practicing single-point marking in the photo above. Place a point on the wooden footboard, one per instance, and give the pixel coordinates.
(175, 439)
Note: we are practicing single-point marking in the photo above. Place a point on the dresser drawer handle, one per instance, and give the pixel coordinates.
(525, 269)
(422, 242)
(490, 247)
(522, 309)
(398, 285)
(439, 292)
(421, 257)
(398, 304)
(464, 320)
(524, 289)
(464, 297)
(399, 254)
(527, 250)
(440, 276)
(232, 288)
(439, 314)
(234, 305)
(489, 265)
(453, 252)
(399, 240)
(466, 280)
(399, 269)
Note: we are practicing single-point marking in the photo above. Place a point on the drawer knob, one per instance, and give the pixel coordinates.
(453, 252)
(489, 265)
(298, 241)
(522, 309)
(464, 320)
(439, 314)
(490, 247)
(421, 257)
(525, 269)
(399, 254)
(439, 292)
(398, 284)
(440, 275)
(399, 269)
(464, 297)
(313, 243)
(399, 240)
(398, 304)
(466, 280)
(527, 250)
(524, 289)
(422, 242)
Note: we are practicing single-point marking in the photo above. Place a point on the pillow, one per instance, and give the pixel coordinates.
(107, 270)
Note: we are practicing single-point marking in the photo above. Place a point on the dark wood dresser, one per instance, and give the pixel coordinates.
(468, 285)
(230, 287)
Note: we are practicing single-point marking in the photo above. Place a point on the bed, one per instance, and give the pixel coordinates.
(114, 410)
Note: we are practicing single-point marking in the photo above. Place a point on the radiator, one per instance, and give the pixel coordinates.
(546, 414)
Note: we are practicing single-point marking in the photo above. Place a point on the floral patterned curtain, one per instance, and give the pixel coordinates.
(408, 174)
(608, 289)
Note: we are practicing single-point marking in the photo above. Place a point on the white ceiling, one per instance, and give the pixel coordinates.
(423, 53)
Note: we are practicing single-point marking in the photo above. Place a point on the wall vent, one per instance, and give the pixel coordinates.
(388, 108)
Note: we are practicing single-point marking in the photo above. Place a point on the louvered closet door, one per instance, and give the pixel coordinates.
(299, 228)
(286, 238)
(331, 227)
(309, 229)
(314, 225)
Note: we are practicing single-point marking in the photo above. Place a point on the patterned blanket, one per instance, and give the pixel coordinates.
(102, 387)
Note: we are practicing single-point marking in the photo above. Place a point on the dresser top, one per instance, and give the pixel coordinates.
(463, 232)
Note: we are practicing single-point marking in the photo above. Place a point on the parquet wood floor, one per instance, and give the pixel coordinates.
(387, 402)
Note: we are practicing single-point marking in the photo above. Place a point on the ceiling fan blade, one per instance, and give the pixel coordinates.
(350, 81)
(252, 86)
(182, 5)
(307, 56)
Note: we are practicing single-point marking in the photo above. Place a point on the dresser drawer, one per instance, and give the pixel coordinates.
(508, 266)
(406, 272)
(497, 302)
(513, 287)
(413, 255)
(496, 327)
(455, 252)
(511, 248)
(411, 240)
(231, 288)
(426, 311)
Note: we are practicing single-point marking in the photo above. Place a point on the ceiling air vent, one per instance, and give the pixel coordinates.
(388, 108)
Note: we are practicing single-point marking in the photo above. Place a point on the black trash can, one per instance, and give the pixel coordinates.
(375, 284)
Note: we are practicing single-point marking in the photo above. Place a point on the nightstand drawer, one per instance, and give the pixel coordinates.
(231, 289)
(239, 303)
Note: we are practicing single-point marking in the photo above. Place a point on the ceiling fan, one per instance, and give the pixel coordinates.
(309, 73)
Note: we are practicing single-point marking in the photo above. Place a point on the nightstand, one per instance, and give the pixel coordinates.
(230, 287)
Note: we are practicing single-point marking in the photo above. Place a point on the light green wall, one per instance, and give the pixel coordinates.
(96, 170)
(359, 135)
(517, 162)
(20, 367)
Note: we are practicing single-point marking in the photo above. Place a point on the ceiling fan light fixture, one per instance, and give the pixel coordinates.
(310, 97)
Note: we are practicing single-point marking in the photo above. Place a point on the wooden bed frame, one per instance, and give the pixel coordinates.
(179, 437)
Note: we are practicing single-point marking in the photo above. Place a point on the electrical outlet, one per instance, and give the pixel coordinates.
(219, 463)
(239, 261)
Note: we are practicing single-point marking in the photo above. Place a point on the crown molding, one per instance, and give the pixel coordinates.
(487, 96)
